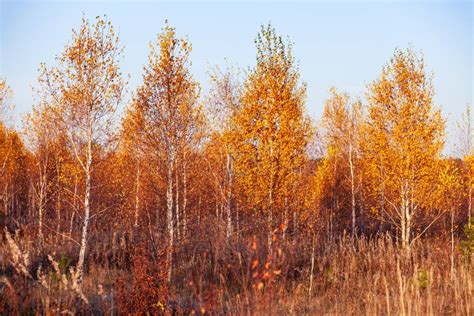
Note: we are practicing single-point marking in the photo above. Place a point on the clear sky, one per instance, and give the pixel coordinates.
(338, 43)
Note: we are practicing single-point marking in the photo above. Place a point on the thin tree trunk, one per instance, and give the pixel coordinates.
(58, 217)
(334, 200)
(353, 200)
(169, 218)
(185, 196)
(361, 206)
(74, 205)
(199, 211)
(452, 244)
(237, 220)
(295, 223)
(469, 203)
(382, 193)
(31, 200)
(405, 224)
(229, 196)
(178, 220)
(310, 291)
(58, 202)
(82, 252)
(270, 201)
(137, 194)
(42, 196)
(270, 220)
(285, 218)
(40, 214)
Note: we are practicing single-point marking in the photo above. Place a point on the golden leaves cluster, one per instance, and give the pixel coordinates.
(271, 129)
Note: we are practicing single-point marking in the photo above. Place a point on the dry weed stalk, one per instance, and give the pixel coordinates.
(20, 260)
(21, 263)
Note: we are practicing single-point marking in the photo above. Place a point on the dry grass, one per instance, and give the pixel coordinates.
(374, 277)
(361, 276)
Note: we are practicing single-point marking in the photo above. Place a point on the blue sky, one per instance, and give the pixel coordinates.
(341, 43)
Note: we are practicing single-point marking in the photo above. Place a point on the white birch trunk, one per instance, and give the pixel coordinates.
(169, 217)
(229, 196)
(85, 224)
(178, 219)
(405, 224)
(58, 202)
(185, 196)
(310, 291)
(42, 195)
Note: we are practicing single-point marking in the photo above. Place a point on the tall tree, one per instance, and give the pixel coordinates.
(13, 163)
(5, 100)
(13, 178)
(465, 149)
(39, 127)
(83, 91)
(271, 130)
(166, 105)
(223, 103)
(342, 120)
(130, 135)
(403, 143)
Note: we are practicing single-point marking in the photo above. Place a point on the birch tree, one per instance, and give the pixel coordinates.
(38, 128)
(223, 103)
(6, 106)
(166, 102)
(465, 148)
(83, 91)
(5, 98)
(403, 143)
(342, 120)
(13, 163)
(271, 130)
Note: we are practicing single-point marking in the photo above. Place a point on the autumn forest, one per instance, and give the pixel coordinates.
(166, 199)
